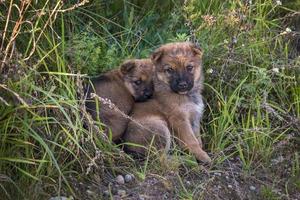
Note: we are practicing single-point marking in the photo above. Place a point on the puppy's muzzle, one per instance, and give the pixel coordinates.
(147, 93)
(182, 86)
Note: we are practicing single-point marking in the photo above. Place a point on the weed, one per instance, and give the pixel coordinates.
(267, 193)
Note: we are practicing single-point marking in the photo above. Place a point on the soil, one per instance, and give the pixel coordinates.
(225, 181)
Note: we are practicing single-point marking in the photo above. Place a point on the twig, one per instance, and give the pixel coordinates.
(15, 94)
(5, 102)
(6, 24)
(74, 6)
(15, 32)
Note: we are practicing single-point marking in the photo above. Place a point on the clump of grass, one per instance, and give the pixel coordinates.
(46, 134)
(244, 74)
(267, 193)
(90, 55)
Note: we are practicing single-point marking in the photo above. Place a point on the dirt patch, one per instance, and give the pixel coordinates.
(226, 181)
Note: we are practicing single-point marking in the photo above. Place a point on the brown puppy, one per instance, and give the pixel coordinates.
(177, 105)
(131, 82)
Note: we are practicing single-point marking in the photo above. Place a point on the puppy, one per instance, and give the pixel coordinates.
(176, 107)
(131, 82)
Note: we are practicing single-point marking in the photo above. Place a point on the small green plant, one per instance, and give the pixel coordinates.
(295, 172)
(268, 194)
(91, 55)
(296, 165)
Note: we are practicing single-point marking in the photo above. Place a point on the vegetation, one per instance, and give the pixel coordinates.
(251, 126)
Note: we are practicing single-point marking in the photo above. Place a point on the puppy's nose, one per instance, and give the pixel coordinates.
(182, 85)
(147, 93)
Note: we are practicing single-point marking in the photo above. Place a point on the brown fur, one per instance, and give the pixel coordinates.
(120, 87)
(173, 110)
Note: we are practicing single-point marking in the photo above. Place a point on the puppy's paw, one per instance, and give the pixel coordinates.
(207, 159)
(204, 158)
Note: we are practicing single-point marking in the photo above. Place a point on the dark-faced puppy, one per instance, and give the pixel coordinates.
(131, 82)
(177, 105)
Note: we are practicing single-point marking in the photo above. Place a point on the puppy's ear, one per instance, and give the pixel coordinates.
(127, 67)
(197, 50)
(156, 55)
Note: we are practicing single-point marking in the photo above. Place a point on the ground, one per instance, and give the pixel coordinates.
(224, 181)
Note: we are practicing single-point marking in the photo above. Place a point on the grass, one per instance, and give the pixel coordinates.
(251, 66)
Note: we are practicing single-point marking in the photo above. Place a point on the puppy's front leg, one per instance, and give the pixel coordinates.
(186, 138)
(195, 123)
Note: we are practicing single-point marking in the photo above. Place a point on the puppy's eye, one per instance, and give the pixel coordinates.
(169, 69)
(137, 82)
(189, 68)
